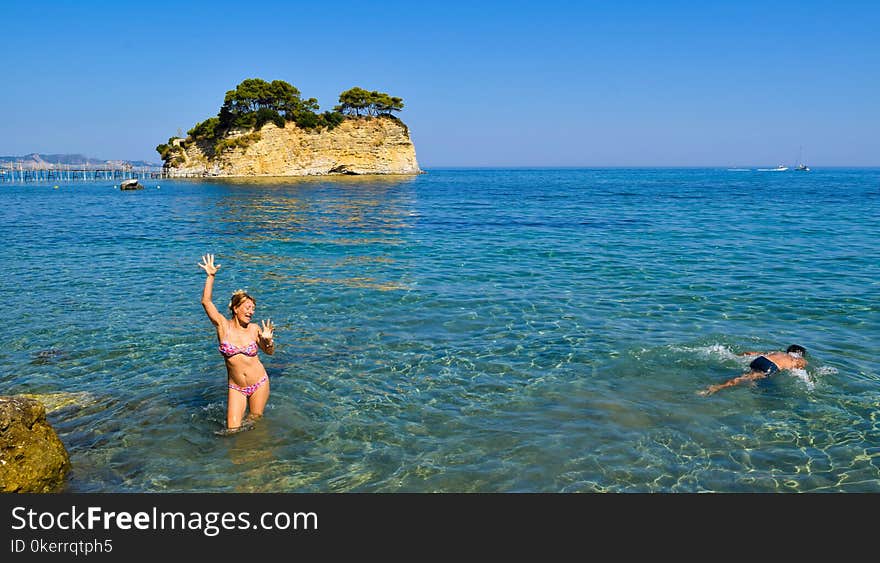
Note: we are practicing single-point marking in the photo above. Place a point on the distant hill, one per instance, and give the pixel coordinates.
(38, 160)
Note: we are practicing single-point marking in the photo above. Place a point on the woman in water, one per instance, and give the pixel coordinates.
(239, 340)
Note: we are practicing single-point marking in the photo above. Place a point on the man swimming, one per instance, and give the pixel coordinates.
(764, 365)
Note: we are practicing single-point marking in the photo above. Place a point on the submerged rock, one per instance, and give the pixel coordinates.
(32, 457)
(63, 399)
(48, 356)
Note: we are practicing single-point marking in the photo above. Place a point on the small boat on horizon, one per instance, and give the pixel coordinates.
(780, 168)
(800, 161)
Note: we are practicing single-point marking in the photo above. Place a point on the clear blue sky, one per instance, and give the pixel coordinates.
(552, 83)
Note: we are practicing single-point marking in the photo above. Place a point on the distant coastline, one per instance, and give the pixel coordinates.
(40, 161)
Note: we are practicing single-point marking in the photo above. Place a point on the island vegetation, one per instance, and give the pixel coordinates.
(256, 102)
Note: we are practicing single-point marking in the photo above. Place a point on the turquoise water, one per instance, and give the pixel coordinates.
(460, 331)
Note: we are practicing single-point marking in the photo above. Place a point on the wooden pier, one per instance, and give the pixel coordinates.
(70, 174)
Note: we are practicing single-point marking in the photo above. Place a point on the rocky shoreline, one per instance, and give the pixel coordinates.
(32, 457)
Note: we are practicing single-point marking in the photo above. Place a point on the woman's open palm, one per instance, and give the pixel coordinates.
(208, 264)
(267, 332)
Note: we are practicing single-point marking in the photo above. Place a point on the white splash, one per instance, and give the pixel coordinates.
(805, 377)
(713, 351)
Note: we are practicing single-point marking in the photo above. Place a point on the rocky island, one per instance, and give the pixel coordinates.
(267, 129)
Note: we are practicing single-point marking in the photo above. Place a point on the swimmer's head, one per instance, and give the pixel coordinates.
(239, 297)
(795, 350)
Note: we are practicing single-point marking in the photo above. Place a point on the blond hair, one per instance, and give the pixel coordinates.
(238, 297)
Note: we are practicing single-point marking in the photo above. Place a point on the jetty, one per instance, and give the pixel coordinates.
(62, 173)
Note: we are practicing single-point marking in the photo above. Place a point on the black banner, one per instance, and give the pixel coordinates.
(121, 526)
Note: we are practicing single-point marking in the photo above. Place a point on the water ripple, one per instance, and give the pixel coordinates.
(464, 330)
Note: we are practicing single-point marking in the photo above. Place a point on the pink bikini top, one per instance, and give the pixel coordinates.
(228, 350)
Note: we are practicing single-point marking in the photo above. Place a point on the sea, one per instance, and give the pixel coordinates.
(462, 330)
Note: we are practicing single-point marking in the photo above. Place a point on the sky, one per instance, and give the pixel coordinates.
(484, 84)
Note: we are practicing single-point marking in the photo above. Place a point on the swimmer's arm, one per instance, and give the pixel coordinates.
(748, 377)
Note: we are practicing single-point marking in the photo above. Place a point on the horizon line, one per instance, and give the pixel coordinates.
(646, 166)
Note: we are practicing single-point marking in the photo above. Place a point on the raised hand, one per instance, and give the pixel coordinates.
(267, 330)
(208, 264)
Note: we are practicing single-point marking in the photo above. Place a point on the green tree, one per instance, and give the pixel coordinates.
(332, 118)
(354, 100)
(285, 98)
(385, 104)
(358, 101)
(207, 129)
(255, 95)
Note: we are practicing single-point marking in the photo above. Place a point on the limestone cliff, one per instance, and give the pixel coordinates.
(376, 145)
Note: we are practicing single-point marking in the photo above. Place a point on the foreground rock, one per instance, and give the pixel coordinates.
(32, 457)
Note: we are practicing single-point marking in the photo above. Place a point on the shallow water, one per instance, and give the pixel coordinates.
(463, 330)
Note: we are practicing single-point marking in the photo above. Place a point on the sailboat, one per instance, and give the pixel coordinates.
(800, 165)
